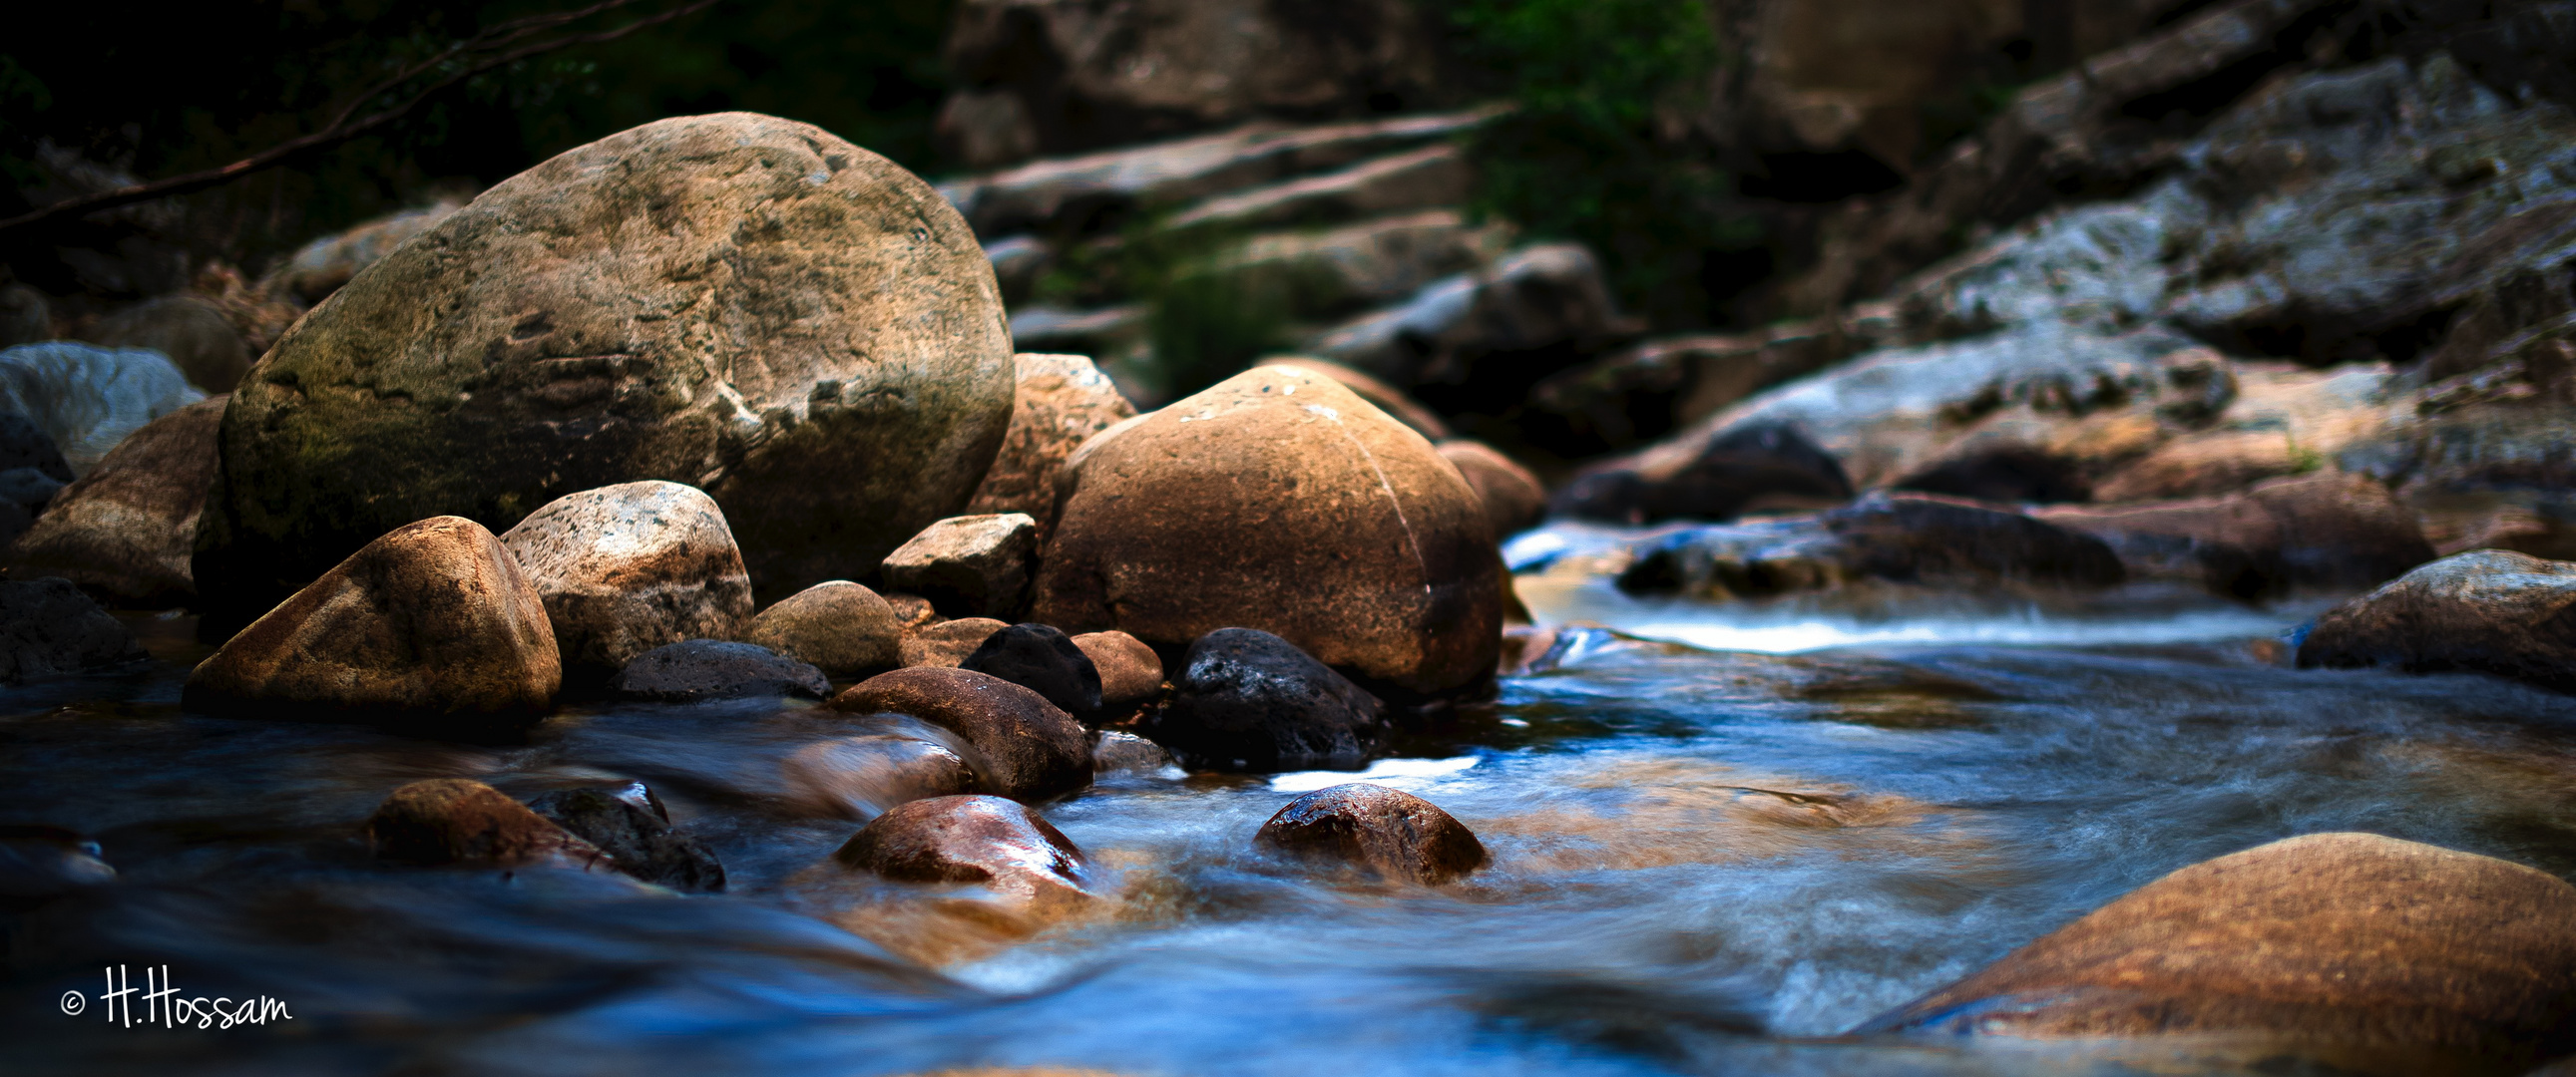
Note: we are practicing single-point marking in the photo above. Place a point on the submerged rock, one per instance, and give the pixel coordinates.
(627, 568)
(1250, 701)
(87, 399)
(862, 776)
(966, 839)
(1906, 538)
(1279, 500)
(432, 623)
(127, 530)
(2485, 611)
(968, 566)
(1131, 674)
(842, 628)
(700, 669)
(1060, 401)
(49, 628)
(1031, 749)
(39, 861)
(838, 385)
(637, 837)
(1044, 660)
(462, 821)
(1113, 752)
(1388, 832)
(2353, 943)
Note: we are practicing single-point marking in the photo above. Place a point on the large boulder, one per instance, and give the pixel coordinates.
(89, 398)
(843, 628)
(1031, 748)
(1247, 700)
(2486, 611)
(745, 304)
(1387, 832)
(628, 568)
(48, 628)
(126, 531)
(431, 625)
(1278, 500)
(2355, 944)
(1060, 401)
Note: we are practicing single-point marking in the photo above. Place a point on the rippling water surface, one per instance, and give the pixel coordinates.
(1706, 861)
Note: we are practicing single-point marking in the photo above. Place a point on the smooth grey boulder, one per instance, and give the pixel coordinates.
(88, 398)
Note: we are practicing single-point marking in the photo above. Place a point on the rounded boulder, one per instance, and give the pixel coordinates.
(627, 568)
(967, 839)
(843, 628)
(1391, 833)
(1031, 749)
(1044, 660)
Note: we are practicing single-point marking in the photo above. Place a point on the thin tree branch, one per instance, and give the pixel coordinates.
(347, 125)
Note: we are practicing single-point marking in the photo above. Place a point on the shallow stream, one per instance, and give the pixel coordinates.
(1704, 862)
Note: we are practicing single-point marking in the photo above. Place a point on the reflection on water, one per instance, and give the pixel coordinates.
(1703, 863)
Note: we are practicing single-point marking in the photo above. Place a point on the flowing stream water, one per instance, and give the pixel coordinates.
(1705, 861)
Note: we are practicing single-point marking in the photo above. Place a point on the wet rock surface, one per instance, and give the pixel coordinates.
(968, 566)
(860, 777)
(1912, 539)
(701, 669)
(1387, 832)
(1747, 469)
(433, 624)
(630, 826)
(969, 839)
(1031, 749)
(465, 822)
(2324, 531)
(840, 627)
(628, 568)
(1044, 660)
(127, 531)
(1247, 700)
(48, 628)
(2485, 611)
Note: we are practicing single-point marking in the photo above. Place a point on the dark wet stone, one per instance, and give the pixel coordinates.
(1742, 470)
(39, 861)
(48, 628)
(1250, 701)
(634, 832)
(1030, 748)
(1043, 660)
(1392, 833)
(696, 669)
(462, 821)
(1907, 538)
(2006, 473)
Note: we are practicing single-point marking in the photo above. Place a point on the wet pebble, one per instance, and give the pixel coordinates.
(860, 777)
(635, 835)
(1031, 748)
(1044, 660)
(1388, 832)
(1247, 700)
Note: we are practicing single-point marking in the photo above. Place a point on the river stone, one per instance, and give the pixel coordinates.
(1032, 750)
(1044, 660)
(701, 669)
(432, 621)
(188, 330)
(1756, 468)
(2358, 941)
(969, 566)
(862, 776)
(125, 531)
(843, 628)
(1113, 752)
(1902, 538)
(1278, 500)
(638, 839)
(49, 628)
(87, 398)
(1513, 499)
(2487, 611)
(967, 839)
(1131, 674)
(628, 568)
(1247, 700)
(462, 821)
(745, 304)
(946, 643)
(1392, 833)
(2329, 530)
(1388, 398)
(322, 266)
(1061, 401)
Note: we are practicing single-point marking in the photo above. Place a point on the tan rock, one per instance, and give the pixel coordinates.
(745, 304)
(2211, 463)
(1513, 499)
(1388, 398)
(1031, 749)
(2324, 530)
(944, 644)
(2383, 951)
(627, 568)
(433, 621)
(319, 268)
(968, 566)
(2488, 611)
(843, 628)
(462, 821)
(1279, 500)
(1131, 674)
(1388, 832)
(1061, 401)
(125, 531)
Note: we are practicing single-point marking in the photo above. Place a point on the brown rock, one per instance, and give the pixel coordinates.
(319, 268)
(192, 331)
(1513, 499)
(1395, 834)
(911, 612)
(741, 303)
(125, 531)
(944, 644)
(966, 839)
(969, 566)
(1131, 674)
(1061, 400)
(1388, 398)
(2212, 463)
(861, 777)
(627, 568)
(2354, 942)
(1032, 750)
(434, 619)
(843, 628)
(1115, 752)
(1279, 500)
(462, 821)
(2488, 611)
(2326, 530)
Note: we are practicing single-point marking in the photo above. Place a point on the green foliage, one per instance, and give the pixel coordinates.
(1206, 326)
(1583, 158)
